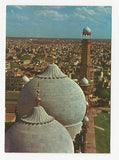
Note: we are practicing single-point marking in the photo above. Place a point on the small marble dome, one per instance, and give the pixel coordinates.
(87, 103)
(25, 78)
(84, 81)
(61, 97)
(38, 132)
(87, 29)
(86, 119)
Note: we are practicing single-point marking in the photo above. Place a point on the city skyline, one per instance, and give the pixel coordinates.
(58, 21)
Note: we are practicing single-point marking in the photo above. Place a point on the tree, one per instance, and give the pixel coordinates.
(106, 93)
(23, 57)
(37, 58)
(102, 92)
(14, 65)
(10, 58)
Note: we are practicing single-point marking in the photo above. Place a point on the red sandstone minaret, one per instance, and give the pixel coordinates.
(85, 55)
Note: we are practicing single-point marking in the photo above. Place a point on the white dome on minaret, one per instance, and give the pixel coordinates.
(87, 29)
(61, 97)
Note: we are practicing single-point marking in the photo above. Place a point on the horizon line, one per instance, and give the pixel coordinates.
(56, 38)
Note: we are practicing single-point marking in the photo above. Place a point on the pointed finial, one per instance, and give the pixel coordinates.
(52, 57)
(38, 99)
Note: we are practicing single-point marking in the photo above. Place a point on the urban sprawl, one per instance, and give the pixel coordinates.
(29, 57)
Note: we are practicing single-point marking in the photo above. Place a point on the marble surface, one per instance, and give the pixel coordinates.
(38, 132)
(61, 97)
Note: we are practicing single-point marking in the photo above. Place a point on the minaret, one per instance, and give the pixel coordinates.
(85, 55)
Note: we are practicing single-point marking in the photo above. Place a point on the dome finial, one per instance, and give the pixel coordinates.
(52, 57)
(38, 99)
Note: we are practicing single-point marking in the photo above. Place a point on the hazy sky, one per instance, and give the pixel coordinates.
(58, 22)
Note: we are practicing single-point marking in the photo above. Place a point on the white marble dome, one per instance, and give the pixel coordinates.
(84, 81)
(40, 133)
(86, 29)
(61, 97)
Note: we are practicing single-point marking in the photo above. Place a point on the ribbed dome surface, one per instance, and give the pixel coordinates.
(61, 97)
(52, 72)
(39, 116)
(38, 132)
